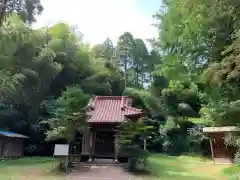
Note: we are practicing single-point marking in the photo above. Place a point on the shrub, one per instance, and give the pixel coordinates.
(129, 135)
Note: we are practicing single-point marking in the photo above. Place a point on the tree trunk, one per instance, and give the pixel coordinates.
(137, 77)
(125, 71)
(2, 11)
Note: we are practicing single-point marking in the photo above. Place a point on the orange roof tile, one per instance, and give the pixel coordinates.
(111, 109)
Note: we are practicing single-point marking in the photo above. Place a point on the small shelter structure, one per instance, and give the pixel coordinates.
(100, 139)
(221, 153)
(11, 144)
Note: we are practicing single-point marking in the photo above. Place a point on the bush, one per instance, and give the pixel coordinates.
(129, 135)
(138, 160)
(237, 157)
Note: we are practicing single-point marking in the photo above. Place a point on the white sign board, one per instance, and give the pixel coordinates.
(61, 150)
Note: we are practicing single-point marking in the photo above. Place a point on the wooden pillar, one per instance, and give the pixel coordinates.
(212, 152)
(90, 146)
(83, 142)
(145, 144)
(94, 134)
(86, 142)
(1, 148)
(116, 142)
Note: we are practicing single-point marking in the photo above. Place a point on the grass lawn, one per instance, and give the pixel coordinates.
(30, 168)
(165, 167)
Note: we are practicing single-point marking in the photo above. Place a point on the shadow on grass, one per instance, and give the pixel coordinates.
(39, 168)
(181, 158)
(26, 161)
(172, 167)
(232, 171)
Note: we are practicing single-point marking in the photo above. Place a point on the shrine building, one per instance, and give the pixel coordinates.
(221, 152)
(100, 139)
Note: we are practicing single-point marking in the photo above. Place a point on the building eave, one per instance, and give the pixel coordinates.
(220, 129)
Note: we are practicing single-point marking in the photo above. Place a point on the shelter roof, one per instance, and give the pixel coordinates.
(220, 129)
(11, 134)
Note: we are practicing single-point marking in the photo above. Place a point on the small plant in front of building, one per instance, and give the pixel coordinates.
(131, 137)
(233, 139)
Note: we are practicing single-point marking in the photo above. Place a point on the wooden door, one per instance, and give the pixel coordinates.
(104, 143)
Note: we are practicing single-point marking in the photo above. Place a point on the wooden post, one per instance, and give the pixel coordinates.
(116, 148)
(86, 142)
(94, 135)
(91, 145)
(212, 152)
(83, 141)
(145, 144)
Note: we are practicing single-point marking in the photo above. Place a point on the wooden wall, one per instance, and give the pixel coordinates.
(11, 147)
(87, 135)
(220, 151)
(91, 147)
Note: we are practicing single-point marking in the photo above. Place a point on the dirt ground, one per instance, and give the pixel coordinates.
(99, 173)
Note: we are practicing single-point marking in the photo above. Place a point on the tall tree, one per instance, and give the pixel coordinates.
(140, 60)
(125, 52)
(108, 49)
(198, 30)
(27, 9)
(70, 116)
(39, 65)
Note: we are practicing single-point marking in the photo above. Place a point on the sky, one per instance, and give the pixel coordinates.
(99, 19)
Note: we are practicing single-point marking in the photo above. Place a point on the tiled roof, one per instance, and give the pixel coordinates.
(11, 134)
(111, 109)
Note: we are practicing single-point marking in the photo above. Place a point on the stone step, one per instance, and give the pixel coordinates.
(98, 162)
(101, 165)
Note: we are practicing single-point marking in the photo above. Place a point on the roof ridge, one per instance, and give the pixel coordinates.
(94, 102)
(119, 97)
(95, 98)
(109, 96)
(132, 108)
(123, 102)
